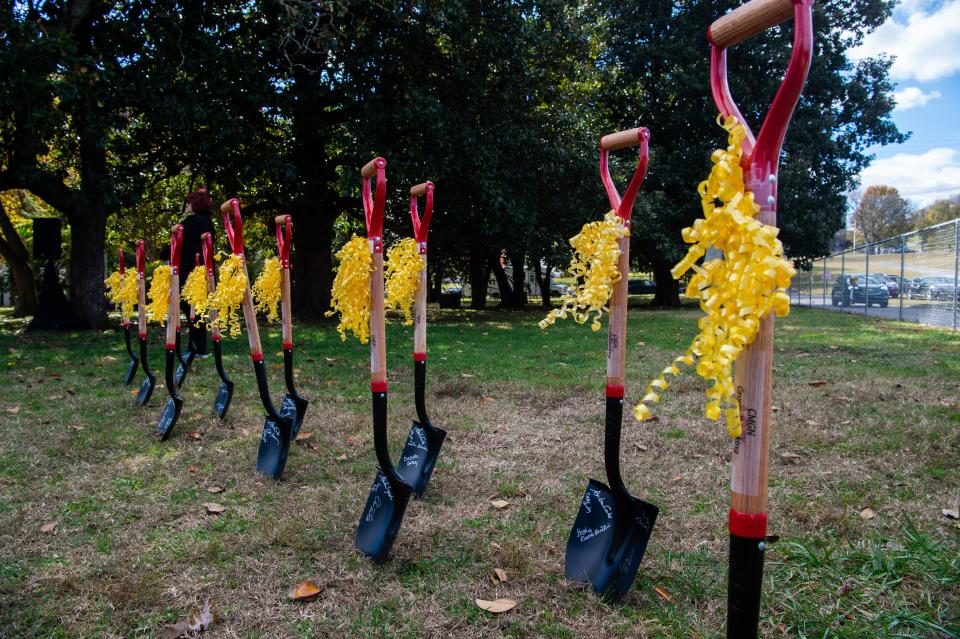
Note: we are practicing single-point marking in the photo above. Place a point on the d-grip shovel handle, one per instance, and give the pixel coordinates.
(206, 241)
(421, 228)
(748, 20)
(173, 300)
(284, 232)
(141, 290)
(373, 209)
(623, 140)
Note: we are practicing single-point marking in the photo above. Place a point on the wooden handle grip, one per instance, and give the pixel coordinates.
(369, 169)
(748, 20)
(621, 140)
(281, 219)
(421, 189)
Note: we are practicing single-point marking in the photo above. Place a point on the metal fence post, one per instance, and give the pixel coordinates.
(824, 278)
(866, 283)
(956, 271)
(810, 290)
(843, 282)
(903, 284)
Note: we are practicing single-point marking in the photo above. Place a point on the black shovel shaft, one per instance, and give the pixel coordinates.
(143, 358)
(743, 593)
(260, 370)
(611, 444)
(380, 444)
(179, 351)
(218, 361)
(288, 371)
(168, 374)
(126, 339)
(419, 386)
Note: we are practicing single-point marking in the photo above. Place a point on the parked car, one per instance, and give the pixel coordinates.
(932, 288)
(639, 286)
(893, 286)
(860, 289)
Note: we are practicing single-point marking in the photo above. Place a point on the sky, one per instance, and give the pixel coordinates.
(924, 37)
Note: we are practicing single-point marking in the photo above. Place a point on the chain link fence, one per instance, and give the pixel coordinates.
(914, 277)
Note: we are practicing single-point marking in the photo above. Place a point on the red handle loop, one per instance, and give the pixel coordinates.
(122, 269)
(235, 227)
(176, 243)
(624, 207)
(207, 244)
(284, 232)
(373, 208)
(421, 226)
(765, 150)
(141, 259)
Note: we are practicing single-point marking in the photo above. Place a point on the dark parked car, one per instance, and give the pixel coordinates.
(931, 288)
(893, 286)
(859, 289)
(640, 286)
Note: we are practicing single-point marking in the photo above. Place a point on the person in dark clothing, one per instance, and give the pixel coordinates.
(198, 207)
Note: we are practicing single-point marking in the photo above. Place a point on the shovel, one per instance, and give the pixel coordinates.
(277, 429)
(424, 441)
(146, 388)
(134, 362)
(748, 500)
(171, 411)
(185, 362)
(390, 493)
(225, 393)
(293, 406)
(612, 527)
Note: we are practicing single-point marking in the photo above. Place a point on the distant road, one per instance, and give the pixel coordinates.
(929, 313)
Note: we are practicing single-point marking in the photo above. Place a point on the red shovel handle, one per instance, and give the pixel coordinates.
(176, 243)
(622, 140)
(141, 258)
(421, 226)
(122, 269)
(284, 231)
(233, 224)
(373, 207)
(206, 241)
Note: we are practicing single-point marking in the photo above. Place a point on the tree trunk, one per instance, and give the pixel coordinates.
(15, 253)
(311, 267)
(479, 276)
(435, 283)
(87, 270)
(518, 293)
(668, 292)
(503, 282)
(543, 281)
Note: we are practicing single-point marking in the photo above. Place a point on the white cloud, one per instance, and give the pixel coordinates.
(921, 178)
(911, 97)
(926, 45)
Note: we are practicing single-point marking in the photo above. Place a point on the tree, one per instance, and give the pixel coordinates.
(937, 213)
(15, 254)
(882, 214)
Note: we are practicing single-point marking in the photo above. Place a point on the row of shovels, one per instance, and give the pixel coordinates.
(612, 527)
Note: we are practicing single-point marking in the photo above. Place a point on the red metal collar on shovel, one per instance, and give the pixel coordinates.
(421, 226)
(373, 208)
(231, 209)
(623, 140)
(284, 232)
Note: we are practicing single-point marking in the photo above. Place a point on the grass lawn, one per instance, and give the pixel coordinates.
(134, 548)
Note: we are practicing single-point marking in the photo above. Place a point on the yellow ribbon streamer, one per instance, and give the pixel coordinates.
(404, 264)
(122, 291)
(194, 292)
(350, 295)
(267, 290)
(229, 296)
(735, 292)
(159, 295)
(594, 264)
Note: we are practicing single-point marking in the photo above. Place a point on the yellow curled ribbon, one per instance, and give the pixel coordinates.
(404, 264)
(350, 295)
(735, 292)
(594, 265)
(229, 296)
(267, 289)
(194, 292)
(122, 291)
(159, 294)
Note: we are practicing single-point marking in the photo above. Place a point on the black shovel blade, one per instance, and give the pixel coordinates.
(131, 371)
(274, 447)
(420, 456)
(169, 417)
(608, 539)
(382, 516)
(180, 374)
(146, 391)
(294, 409)
(222, 401)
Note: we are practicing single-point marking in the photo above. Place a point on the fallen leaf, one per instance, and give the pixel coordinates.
(244, 432)
(818, 383)
(677, 478)
(195, 435)
(465, 375)
(192, 469)
(499, 504)
(949, 513)
(342, 457)
(305, 591)
(642, 448)
(666, 596)
(13, 410)
(499, 576)
(214, 489)
(846, 421)
(214, 508)
(845, 398)
(49, 527)
(486, 400)
(494, 545)
(497, 606)
(196, 623)
(833, 348)
(868, 513)
(303, 436)
(196, 417)
(810, 422)
(789, 455)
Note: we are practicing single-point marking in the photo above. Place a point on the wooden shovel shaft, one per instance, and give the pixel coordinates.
(141, 305)
(617, 339)
(286, 312)
(378, 339)
(420, 313)
(250, 320)
(173, 308)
